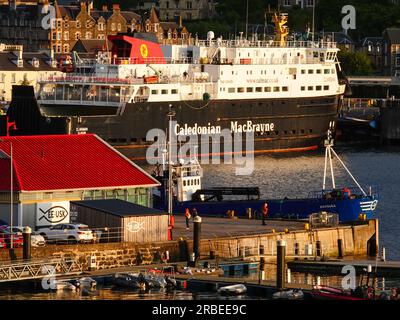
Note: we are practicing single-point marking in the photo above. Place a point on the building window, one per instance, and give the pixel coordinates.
(66, 25)
(231, 90)
(66, 48)
(13, 78)
(113, 26)
(59, 35)
(54, 36)
(119, 27)
(58, 49)
(66, 35)
(189, 16)
(88, 35)
(287, 3)
(78, 24)
(2, 78)
(167, 4)
(101, 26)
(77, 35)
(101, 37)
(309, 3)
(189, 5)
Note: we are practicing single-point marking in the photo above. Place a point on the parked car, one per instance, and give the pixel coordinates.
(68, 232)
(36, 239)
(18, 239)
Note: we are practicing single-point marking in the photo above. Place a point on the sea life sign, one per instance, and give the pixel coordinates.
(49, 213)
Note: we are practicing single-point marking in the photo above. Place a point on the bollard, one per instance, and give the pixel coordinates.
(261, 275)
(26, 253)
(196, 237)
(280, 264)
(383, 257)
(289, 276)
(340, 248)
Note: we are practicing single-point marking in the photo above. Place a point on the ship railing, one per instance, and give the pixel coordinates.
(113, 80)
(355, 192)
(243, 43)
(79, 78)
(82, 97)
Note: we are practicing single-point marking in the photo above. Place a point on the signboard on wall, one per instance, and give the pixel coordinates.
(49, 213)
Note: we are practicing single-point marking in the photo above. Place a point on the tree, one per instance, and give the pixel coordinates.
(355, 63)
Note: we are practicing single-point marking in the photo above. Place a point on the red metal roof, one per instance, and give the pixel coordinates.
(67, 162)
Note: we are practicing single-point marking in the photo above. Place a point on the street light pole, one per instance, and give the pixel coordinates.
(11, 195)
(170, 115)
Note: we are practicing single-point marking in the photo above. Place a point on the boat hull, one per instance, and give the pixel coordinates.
(347, 209)
(279, 125)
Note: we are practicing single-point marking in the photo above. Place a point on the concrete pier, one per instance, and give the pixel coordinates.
(221, 238)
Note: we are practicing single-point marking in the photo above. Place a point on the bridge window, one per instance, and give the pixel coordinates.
(303, 88)
(174, 91)
(241, 90)
(231, 90)
(267, 89)
(164, 91)
(327, 71)
(310, 71)
(326, 87)
(303, 71)
(249, 89)
(276, 89)
(319, 71)
(154, 91)
(285, 89)
(258, 89)
(318, 88)
(310, 88)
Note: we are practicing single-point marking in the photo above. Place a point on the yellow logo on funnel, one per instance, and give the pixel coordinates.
(144, 51)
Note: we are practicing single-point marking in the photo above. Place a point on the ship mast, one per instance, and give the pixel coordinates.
(328, 155)
(281, 29)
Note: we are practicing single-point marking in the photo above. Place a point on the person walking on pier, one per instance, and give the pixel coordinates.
(187, 218)
(265, 213)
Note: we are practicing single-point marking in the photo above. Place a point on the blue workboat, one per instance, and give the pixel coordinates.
(350, 204)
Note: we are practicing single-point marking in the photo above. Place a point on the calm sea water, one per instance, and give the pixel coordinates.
(297, 175)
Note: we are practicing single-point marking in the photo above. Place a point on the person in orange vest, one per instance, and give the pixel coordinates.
(187, 217)
(346, 193)
(171, 226)
(265, 213)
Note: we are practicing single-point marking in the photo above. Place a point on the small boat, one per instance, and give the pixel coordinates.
(87, 282)
(233, 289)
(294, 294)
(63, 285)
(331, 293)
(129, 280)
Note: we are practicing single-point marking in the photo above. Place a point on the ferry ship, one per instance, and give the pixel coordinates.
(284, 92)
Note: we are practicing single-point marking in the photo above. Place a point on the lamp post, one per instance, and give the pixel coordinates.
(170, 115)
